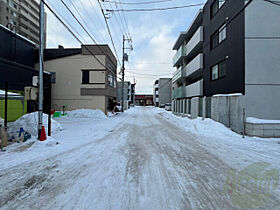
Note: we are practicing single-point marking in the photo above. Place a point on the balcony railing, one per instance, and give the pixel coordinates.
(195, 89)
(189, 70)
(179, 93)
(195, 40)
(182, 51)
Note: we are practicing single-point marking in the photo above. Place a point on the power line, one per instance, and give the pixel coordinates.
(137, 3)
(157, 9)
(109, 32)
(75, 36)
(86, 30)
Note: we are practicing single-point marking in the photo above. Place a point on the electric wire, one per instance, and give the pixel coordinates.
(157, 9)
(73, 15)
(75, 36)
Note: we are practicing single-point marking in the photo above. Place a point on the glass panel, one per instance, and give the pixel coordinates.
(215, 40)
(222, 33)
(215, 72)
(222, 69)
(221, 3)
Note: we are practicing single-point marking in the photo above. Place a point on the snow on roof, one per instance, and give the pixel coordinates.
(2, 92)
(232, 94)
(261, 121)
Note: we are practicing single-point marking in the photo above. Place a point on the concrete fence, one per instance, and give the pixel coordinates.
(228, 110)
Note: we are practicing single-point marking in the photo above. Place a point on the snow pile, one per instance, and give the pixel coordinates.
(86, 113)
(29, 122)
(261, 121)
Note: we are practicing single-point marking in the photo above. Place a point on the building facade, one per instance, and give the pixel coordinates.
(84, 77)
(237, 65)
(17, 69)
(129, 93)
(22, 17)
(187, 81)
(162, 92)
(144, 100)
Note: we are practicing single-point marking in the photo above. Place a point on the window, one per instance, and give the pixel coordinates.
(12, 4)
(13, 14)
(215, 7)
(110, 79)
(219, 36)
(85, 76)
(218, 71)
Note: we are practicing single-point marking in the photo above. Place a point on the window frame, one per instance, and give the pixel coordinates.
(219, 64)
(217, 34)
(212, 15)
(92, 83)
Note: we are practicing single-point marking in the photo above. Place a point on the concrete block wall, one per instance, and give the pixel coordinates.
(263, 130)
(194, 107)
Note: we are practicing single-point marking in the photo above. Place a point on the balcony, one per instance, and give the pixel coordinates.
(192, 70)
(195, 67)
(180, 54)
(195, 43)
(179, 93)
(195, 89)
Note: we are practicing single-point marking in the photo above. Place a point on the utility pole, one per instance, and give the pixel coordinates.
(123, 73)
(41, 70)
(124, 58)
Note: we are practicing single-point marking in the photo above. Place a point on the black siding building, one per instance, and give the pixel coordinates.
(230, 51)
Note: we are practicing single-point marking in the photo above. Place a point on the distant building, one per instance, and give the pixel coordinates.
(82, 80)
(22, 17)
(129, 93)
(144, 100)
(162, 92)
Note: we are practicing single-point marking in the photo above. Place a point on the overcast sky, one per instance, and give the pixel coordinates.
(153, 33)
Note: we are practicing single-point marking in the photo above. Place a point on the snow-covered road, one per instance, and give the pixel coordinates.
(143, 161)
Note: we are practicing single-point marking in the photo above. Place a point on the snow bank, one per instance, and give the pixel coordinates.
(261, 121)
(29, 122)
(86, 113)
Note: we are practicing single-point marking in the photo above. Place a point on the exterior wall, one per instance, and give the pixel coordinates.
(194, 107)
(233, 47)
(228, 110)
(69, 91)
(89, 102)
(262, 60)
(164, 91)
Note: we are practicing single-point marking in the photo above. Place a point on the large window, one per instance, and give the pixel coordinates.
(215, 7)
(218, 71)
(219, 36)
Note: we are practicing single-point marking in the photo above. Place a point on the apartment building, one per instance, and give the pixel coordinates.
(129, 93)
(22, 17)
(238, 73)
(81, 80)
(187, 81)
(162, 92)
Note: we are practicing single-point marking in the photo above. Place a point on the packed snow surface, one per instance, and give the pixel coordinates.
(144, 158)
(86, 113)
(29, 122)
(261, 121)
